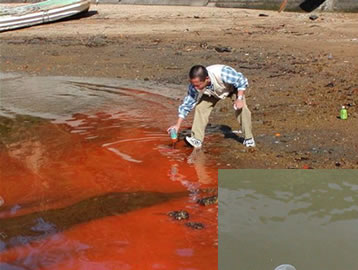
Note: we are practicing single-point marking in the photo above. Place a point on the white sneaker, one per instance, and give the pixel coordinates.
(193, 142)
(249, 142)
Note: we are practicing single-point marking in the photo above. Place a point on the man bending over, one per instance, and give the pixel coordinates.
(214, 82)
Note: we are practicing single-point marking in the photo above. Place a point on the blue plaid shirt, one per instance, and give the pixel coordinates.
(228, 75)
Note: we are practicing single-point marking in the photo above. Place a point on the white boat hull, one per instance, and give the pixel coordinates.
(43, 16)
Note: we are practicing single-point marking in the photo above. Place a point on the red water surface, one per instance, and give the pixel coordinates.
(47, 177)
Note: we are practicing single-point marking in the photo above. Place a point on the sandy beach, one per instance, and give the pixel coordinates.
(301, 71)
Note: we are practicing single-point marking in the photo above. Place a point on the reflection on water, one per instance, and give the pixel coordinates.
(91, 190)
(306, 218)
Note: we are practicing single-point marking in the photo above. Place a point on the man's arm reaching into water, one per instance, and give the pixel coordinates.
(187, 105)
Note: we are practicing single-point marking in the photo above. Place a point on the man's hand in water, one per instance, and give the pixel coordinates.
(176, 126)
(171, 127)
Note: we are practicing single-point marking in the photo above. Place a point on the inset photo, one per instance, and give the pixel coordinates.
(288, 219)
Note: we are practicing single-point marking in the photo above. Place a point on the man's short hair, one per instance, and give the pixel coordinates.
(198, 71)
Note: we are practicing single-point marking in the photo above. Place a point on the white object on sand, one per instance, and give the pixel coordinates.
(38, 13)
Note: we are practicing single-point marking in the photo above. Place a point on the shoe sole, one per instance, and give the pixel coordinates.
(188, 143)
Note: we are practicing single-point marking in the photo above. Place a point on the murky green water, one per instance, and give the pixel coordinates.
(307, 218)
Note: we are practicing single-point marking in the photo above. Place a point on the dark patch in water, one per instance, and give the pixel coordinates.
(36, 226)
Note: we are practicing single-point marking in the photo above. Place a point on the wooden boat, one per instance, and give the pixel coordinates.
(38, 13)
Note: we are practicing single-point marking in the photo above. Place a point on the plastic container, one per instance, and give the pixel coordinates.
(173, 134)
(343, 114)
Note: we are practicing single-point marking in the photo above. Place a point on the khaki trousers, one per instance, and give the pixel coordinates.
(202, 113)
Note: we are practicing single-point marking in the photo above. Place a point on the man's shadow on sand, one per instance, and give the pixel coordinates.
(212, 129)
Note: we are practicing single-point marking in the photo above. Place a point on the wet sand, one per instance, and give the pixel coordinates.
(300, 71)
